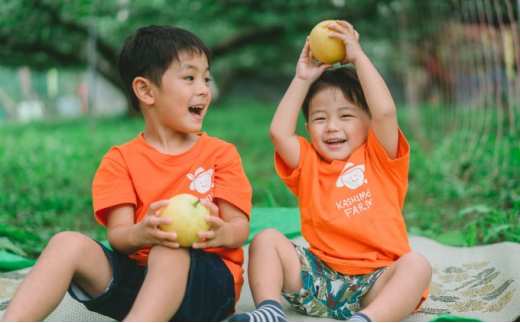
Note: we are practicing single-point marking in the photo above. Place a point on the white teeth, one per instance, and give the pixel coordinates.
(196, 107)
(334, 141)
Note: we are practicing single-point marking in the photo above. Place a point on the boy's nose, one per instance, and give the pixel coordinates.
(332, 126)
(203, 88)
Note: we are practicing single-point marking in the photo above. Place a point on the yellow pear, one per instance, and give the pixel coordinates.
(187, 214)
(326, 50)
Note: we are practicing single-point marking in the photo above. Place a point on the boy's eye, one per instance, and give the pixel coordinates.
(319, 119)
(208, 79)
(189, 78)
(346, 116)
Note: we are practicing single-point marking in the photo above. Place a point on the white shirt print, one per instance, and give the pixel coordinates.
(201, 180)
(352, 177)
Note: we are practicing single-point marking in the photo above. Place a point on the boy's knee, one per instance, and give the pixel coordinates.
(270, 240)
(165, 254)
(267, 236)
(419, 262)
(69, 240)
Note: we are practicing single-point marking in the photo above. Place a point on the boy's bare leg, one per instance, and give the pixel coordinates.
(273, 266)
(68, 256)
(164, 286)
(397, 292)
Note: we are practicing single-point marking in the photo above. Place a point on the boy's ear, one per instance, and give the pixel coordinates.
(143, 90)
(307, 126)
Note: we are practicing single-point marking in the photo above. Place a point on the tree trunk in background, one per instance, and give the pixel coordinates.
(24, 76)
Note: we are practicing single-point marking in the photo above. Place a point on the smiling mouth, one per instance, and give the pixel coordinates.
(197, 109)
(335, 141)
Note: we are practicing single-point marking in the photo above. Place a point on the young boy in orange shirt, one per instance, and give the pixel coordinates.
(147, 276)
(350, 181)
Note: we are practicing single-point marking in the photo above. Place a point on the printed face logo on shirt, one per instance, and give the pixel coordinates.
(352, 177)
(201, 180)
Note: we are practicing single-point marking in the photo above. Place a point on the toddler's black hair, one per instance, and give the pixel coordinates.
(343, 78)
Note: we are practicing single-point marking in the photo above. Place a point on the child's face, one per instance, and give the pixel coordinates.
(184, 95)
(336, 126)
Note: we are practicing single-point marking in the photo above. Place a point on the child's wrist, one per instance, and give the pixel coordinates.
(229, 235)
(134, 236)
(360, 58)
(302, 81)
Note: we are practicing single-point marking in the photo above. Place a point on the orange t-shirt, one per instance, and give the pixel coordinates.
(136, 173)
(351, 210)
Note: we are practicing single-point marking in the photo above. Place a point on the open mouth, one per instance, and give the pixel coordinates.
(197, 110)
(334, 142)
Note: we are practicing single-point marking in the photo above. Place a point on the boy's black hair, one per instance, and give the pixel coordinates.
(151, 50)
(342, 78)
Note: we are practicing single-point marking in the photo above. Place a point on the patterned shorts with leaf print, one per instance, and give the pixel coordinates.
(327, 293)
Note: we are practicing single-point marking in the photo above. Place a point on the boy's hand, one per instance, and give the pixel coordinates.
(148, 231)
(219, 232)
(345, 32)
(307, 68)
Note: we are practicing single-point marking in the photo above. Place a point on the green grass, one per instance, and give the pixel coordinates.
(47, 168)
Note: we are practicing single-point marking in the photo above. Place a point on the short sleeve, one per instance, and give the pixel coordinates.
(397, 169)
(291, 177)
(231, 183)
(112, 185)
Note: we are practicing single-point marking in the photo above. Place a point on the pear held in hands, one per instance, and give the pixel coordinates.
(326, 50)
(187, 214)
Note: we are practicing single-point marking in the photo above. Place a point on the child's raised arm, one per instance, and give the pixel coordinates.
(283, 126)
(377, 94)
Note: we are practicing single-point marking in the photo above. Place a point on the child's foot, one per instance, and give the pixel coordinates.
(267, 311)
(359, 317)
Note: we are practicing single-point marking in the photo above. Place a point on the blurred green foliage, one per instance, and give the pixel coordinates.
(465, 189)
(247, 37)
(47, 168)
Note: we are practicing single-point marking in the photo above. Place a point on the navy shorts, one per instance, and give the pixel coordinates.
(210, 293)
